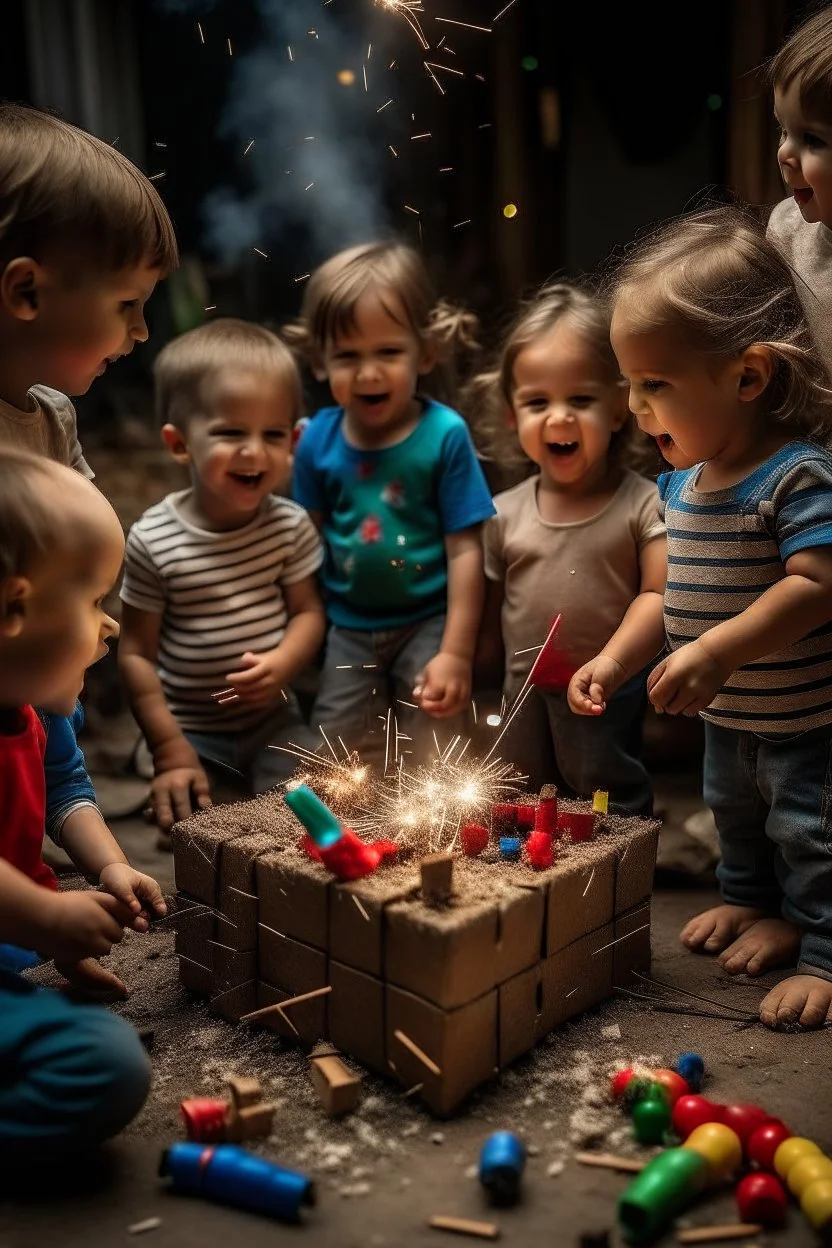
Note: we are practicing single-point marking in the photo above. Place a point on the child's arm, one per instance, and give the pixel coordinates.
(638, 638)
(490, 656)
(261, 677)
(64, 926)
(180, 782)
(444, 686)
(689, 679)
(96, 852)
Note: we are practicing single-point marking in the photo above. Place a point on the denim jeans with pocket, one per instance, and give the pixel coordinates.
(772, 803)
(253, 754)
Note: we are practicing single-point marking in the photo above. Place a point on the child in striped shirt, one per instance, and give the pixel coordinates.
(221, 607)
(709, 331)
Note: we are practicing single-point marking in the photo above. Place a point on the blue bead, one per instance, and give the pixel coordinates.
(692, 1069)
(509, 846)
(502, 1159)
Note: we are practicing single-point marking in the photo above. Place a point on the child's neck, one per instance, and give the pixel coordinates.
(731, 467)
(211, 514)
(365, 438)
(570, 502)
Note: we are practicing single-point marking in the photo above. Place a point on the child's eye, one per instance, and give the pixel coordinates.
(277, 435)
(536, 404)
(130, 303)
(391, 351)
(813, 141)
(652, 386)
(226, 433)
(582, 400)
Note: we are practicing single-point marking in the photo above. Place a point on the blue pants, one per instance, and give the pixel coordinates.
(550, 743)
(772, 803)
(366, 674)
(249, 752)
(71, 1075)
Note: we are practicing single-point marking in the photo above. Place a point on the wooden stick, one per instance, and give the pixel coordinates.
(711, 1234)
(608, 1161)
(417, 1052)
(282, 1005)
(465, 1226)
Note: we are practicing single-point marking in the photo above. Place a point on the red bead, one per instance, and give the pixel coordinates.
(673, 1084)
(744, 1119)
(691, 1112)
(761, 1198)
(474, 838)
(539, 851)
(204, 1119)
(525, 816)
(619, 1081)
(765, 1141)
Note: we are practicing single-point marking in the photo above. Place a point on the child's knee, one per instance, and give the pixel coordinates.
(123, 1074)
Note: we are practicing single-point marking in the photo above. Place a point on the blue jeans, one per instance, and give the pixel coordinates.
(248, 752)
(549, 742)
(71, 1075)
(365, 674)
(772, 803)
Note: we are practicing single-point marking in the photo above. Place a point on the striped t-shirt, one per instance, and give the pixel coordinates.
(727, 547)
(219, 594)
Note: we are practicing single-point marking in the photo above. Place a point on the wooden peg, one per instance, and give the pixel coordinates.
(338, 1088)
(437, 871)
(244, 1091)
(713, 1234)
(465, 1226)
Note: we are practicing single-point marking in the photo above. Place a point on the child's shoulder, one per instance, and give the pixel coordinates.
(517, 497)
(160, 514)
(279, 507)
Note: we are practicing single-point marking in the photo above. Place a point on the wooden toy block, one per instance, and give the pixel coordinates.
(233, 1003)
(635, 865)
(291, 965)
(520, 914)
(436, 873)
(249, 1123)
(294, 896)
(196, 977)
(194, 930)
(338, 1088)
(304, 1023)
(235, 974)
(237, 905)
(356, 1015)
(461, 1043)
(577, 977)
(520, 1011)
(631, 951)
(356, 915)
(197, 843)
(445, 956)
(580, 896)
(244, 1090)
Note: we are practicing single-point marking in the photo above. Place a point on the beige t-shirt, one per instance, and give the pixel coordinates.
(588, 570)
(47, 427)
(807, 247)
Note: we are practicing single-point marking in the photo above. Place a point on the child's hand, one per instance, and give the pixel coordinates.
(593, 685)
(89, 981)
(444, 685)
(80, 925)
(131, 887)
(259, 681)
(177, 793)
(686, 681)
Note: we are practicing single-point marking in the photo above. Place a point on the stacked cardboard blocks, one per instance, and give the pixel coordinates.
(440, 995)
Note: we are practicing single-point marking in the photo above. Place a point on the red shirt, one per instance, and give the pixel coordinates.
(23, 799)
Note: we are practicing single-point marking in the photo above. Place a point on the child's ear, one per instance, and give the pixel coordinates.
(756, 368)
(509, 416)
(14, 591)
(621, 412)
(20, 282)
(174, 440)
(430, 355)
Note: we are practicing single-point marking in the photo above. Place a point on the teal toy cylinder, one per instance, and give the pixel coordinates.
(317, 818)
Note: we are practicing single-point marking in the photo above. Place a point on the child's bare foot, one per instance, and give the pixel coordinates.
(761, 947)
(801, 999)
(714, 930)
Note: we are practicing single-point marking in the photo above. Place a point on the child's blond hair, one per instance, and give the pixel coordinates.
(187, 366)
(64, 191)
(717, 279)
(806, 59)
(334, 289)
(31, 526)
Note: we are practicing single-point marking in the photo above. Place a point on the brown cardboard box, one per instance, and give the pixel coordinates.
(577, 977)
(631, 951)
(195, 977)
(520, 1006)
(356, 916)
(356, 1015)
(519, 932)
(308, 1024)
(636, 864)
(294, 896)
(446, 956)
(194, 928)
(580, 897)
(196, 853)
(290, 965)
(237, 903)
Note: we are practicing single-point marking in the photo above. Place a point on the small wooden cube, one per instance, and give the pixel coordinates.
(437, 871)
(244, 1091)
(337, 1087)
(248, 1123)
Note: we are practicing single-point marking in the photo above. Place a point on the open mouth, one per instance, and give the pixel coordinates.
(562, 450)
(249, 479)
(802, 195)
(664, 442)
(372, 400)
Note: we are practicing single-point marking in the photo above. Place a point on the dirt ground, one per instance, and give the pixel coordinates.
(384, 1170)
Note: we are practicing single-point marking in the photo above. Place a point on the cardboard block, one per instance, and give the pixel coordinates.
(250, 1123)
(461, 1042)
(356, 916)
(291, 965)
(520, 1005)
(235, 975)
(635, 864)
(446, 956)
(308, 1018)
(244, 1090)
(519, 932)
(197, 843)
(437, 878)
(194, 930)
(233, 1003)
(577, 977)
(196, 978)
(631, 951)
(356, 1015)
(338, 1088)
(580, 897)
(237, 908)
(294, 896)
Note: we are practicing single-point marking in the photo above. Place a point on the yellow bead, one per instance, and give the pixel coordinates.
(791, 1151)
(808, 1170)
(719, 1145)
(816, 1202)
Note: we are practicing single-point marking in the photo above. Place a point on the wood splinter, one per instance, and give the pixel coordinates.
(437, 872)
(338, 1088)
(418, 1053)
(608, 1161)
(284, 1005)
(713, 1234)
(465, 1226)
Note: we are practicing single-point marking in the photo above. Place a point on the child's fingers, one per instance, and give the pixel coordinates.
(151, 894)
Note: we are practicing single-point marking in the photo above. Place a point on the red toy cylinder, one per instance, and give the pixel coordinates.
(204, 1119)
(503, 818)
(577, 824)
(474, 838)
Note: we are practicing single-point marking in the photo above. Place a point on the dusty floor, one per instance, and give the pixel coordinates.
(383, 1171)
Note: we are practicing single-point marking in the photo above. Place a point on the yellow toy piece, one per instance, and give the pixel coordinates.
(720, 1146)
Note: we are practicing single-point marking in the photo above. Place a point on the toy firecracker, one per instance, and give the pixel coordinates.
(502, 1160)
(233, 1176)
(337, 847)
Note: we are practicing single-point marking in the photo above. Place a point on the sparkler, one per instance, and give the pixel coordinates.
(407, 9)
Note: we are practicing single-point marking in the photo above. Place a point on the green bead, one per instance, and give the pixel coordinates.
(636, 1090)
(650, 1121)
(662, 1189)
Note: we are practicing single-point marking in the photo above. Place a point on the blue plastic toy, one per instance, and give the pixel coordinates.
(502, 1159)
(233, 1176)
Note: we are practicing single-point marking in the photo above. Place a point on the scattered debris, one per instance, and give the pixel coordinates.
(338, 1088)
(713, 1234)
(612, 1031)
(139, 1228)
(607, 1161)
(465, 1226)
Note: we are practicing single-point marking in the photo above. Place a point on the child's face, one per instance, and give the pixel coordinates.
(565, 407)
(61, 627)
(373, 370)
(688, 403)
(77, 328)
(239, 449)
(805, 156)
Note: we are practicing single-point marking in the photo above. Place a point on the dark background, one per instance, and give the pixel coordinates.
(593, 120)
